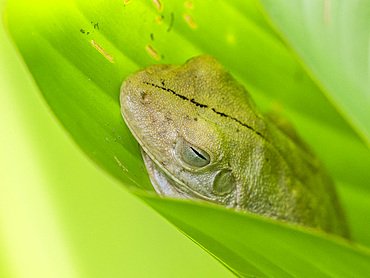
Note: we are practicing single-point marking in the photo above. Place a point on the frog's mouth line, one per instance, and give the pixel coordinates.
(173, 187)
(162, 182)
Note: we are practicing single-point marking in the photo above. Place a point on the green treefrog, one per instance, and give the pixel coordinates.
(203, 138)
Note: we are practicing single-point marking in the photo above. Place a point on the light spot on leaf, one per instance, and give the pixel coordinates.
(189, 5)
(120, 164)
(190, 21)
(158, 4)
(102, 51)
(159, 19)
(152, 52)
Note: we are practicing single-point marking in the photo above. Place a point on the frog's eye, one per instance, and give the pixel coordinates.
(190, 154)
(223, 183)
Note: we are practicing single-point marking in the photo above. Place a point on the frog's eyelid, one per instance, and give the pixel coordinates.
(198, 154)
(190, 156)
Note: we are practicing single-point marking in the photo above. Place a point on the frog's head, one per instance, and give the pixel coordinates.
(171, 111)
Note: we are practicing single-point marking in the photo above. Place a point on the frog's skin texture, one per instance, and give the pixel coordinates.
(203, 138)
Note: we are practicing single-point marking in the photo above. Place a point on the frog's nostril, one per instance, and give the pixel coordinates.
(144, 96)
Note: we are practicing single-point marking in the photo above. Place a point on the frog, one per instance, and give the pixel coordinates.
(203, 138)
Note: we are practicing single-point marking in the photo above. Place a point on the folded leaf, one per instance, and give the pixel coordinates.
(80, 52)
(332, 39)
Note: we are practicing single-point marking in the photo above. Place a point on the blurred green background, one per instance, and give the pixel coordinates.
(62, 216)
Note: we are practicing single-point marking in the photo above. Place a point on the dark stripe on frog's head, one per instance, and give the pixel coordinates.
(203, 106)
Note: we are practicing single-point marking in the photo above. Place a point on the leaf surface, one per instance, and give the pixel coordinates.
(79, 54)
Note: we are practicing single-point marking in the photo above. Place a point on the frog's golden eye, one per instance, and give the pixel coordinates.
(191, 155)
(223, 183)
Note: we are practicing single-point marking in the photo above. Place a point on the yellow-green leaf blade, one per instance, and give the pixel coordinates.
(332, 39)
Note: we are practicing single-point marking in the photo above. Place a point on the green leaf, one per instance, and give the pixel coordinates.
(257, 247)
(79, 54)
(332, 39)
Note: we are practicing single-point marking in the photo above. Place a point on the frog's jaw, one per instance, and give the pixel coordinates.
(165, 186)
(160, 182)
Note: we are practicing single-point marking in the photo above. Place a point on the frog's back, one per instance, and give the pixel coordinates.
(283, 177)
(317, 204)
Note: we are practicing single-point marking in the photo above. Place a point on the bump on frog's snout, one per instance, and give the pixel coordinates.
(144, 98)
